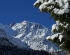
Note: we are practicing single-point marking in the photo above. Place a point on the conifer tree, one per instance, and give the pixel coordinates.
(60, 11)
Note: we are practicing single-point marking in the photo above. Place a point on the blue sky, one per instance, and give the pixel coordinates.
(19, 10)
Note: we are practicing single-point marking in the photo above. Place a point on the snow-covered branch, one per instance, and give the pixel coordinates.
(63, 6)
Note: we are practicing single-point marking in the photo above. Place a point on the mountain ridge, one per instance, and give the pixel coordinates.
(29, 35)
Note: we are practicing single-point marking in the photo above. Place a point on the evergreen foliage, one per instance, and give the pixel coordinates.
(9, 50)
(62, 18)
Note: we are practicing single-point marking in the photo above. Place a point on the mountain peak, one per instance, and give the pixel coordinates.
(25, 21)
(26, 24)
(29, 35)
(34, 35)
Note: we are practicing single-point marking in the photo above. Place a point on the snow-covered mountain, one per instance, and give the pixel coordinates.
(28, 35)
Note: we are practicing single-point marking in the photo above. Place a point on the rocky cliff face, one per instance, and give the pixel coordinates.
(27, 36)
(34, 35)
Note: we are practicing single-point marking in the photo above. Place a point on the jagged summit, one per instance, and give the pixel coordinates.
(29, 35)
(27, 24)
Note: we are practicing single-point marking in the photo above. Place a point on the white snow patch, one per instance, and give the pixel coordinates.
(35, 36)
(54, 27)
(53, 36)
(60, 37)
(19, 36)
(64, 4)
(25, 38)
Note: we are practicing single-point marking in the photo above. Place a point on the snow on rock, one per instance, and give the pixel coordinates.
(52, 50)
(7, 30)
(34, 35)
(29, 35)
(19, 36)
